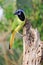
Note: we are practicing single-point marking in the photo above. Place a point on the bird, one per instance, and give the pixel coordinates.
(17, 25)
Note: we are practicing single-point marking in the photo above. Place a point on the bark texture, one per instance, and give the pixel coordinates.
(31, 45)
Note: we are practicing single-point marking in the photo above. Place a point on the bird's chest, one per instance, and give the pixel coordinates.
(16, 23)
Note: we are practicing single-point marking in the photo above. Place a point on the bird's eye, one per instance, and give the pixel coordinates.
(19, 13)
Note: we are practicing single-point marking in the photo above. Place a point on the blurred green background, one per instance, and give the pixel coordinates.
(33, 10)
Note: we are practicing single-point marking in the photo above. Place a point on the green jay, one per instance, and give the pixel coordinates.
(17, 24)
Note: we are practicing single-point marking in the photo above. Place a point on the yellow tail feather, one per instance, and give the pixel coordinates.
(12, 39)
(14, 33)
(13, 36)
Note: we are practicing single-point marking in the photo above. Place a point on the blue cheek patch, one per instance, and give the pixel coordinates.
(19, 13)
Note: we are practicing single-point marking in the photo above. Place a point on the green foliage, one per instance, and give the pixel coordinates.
(2, 60)
(9, 12)
(18, 44)
(34, 12)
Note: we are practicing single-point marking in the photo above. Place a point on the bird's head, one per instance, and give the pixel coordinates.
(20, 14)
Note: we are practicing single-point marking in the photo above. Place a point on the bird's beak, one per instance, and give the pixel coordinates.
(15, 13)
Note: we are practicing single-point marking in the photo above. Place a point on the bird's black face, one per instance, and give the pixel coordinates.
(20, 14)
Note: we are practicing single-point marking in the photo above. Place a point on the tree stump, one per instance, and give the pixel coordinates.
(31, 45)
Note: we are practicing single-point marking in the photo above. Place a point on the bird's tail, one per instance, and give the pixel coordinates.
(12, 39)
(14, 33)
